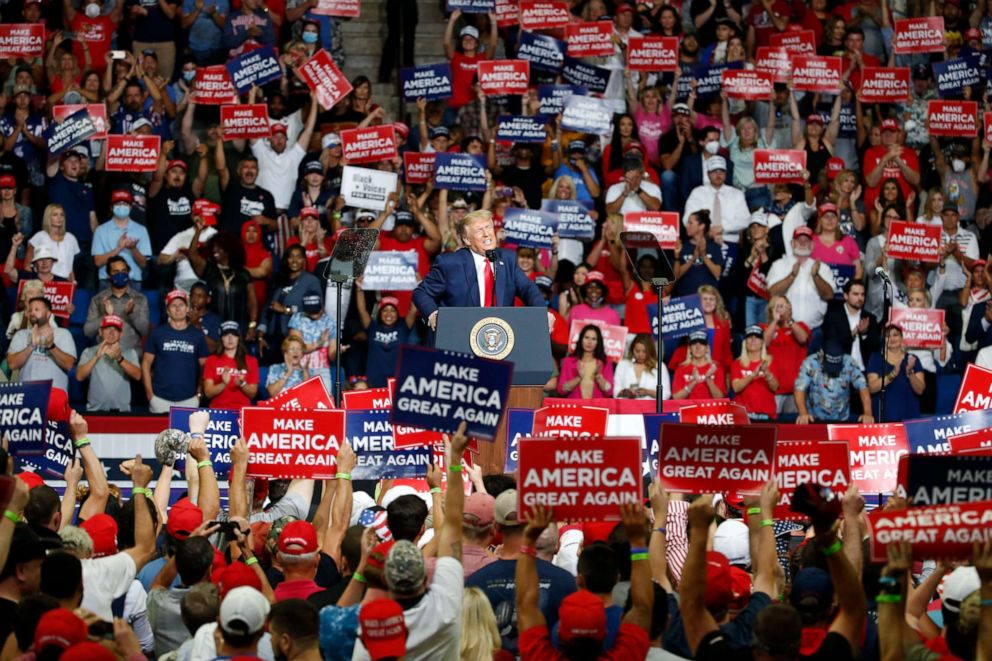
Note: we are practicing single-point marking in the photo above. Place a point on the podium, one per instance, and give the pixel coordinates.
(519, 335)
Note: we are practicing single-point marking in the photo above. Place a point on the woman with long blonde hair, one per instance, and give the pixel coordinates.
(752, 378)
(54, 235)
(699, 376)
(717, 326)
(480, 637)
(785, 341)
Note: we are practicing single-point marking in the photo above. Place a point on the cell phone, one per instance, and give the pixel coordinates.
(102, 629)
(68, 35)
(118, 55)
(226, 527)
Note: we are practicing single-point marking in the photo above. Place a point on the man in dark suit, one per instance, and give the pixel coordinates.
(849, 322)
(479, 274)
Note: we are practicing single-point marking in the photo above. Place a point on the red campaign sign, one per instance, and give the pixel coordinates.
(975, 393)
(311, 394)
(987, 123)
(132, 153)
(371, 398)
(813, 73)
(544, 15)
(589, 39)
(663, 224)
(22, 40)
(498, 77)
(776, 61)
(213, 86)
(96, 111)
(59, 294)
(714, 413)
(507, 13)
(884, 85)
(370, 144)
(653, 53)
(342, 8)
(750, 85)
(824, 463)
(973, 442)
(284, 444)
(919, 35)
(938, 532)
(245, 122)
(779, 166)
(802, 42)
(412, 437)
(922, 328)
(581, 479)
(570, 421)
(913, 241)
(875, 452)
(324, 79)
(614, 337)
(952, 118)
(418, 167)
(716, 459)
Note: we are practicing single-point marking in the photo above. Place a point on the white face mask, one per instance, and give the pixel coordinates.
(957, 165)
(92, 10)
(712, 147)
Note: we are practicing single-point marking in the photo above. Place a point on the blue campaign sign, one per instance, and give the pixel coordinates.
(429, 81)
(22, 415)
(256, 67)
(947, 479)
(437, 390)
(587, 115)
(929, 435)
(652, 439)
(390, 270)
(574, 221)
(74, 129)
(954, 75)
(842, 274)
(552, 97)
(523, 128)
(729, 250)
(543, 52)
(222, 433)
(683, 315)
(519, 422)
(526, 227)
(462, 172)
(59, 450)
(371, 436)
(577, 72)
(709, 79)
(471, 6)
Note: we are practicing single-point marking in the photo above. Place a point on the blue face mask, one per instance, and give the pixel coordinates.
(122, 210)
(120, 279)
(309, 37)
(188, 76)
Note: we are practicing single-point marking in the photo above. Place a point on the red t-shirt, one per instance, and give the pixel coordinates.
(872, 158)
(700, 390)
(787, 355)
(631, 643)
(719, 346)
(97, 32)
(757, 397)
(298, 589)
(636, 317)
(612, 279)
(867, 61)
(762, 22)
(463, 68)
(232, 396)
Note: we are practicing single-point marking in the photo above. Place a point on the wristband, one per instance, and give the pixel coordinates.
(144, 491)
(455, 468)
(342, 476)
(661, 530)
(251, 561)
(634, 557)
(770, 522)
(888, 599)
(832, 549)
(16, 518)
(196, 434)
(82, 442)
(888, 580)
(204, 463)
(529, 550)
(751, 511)
(435, 489)
(985, 602)
(637, 549)
(357, 577)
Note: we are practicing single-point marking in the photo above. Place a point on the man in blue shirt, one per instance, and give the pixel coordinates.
(823, 387)
(205, 21)
(182, 350)
(121, 236)
(67, 188)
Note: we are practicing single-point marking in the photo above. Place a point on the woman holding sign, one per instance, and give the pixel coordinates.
(587, 373)
(902, 377)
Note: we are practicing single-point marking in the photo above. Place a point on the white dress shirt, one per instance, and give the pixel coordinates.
(734, 215)
(807, 306)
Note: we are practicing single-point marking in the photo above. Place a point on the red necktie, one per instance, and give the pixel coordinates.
(489, 283)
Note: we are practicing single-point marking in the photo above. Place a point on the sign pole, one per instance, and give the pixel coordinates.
(886, 310)
(659, 395)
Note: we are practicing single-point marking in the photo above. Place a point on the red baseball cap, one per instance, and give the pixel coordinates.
(719, 584)
(890, 125)
(184, 518)
(309, 212)
(834, 167)
(815, 118)
(597, 531)
(174, 294)
(112, 321)
(634, 145)
(827, 207)
(298, 538)
(803, 231)
(235, 575)
(122, 195)
(594, 276)
(31, 479)
(87, 651)
(624, 8)
(176, 163)
(389, 300)
(581, 615)
(969, 34)
(402, 130)
(278, 127)
(61, 628)
(8, 181)
(383, 629)
(58, 406)
(102, 529)
(378, 555)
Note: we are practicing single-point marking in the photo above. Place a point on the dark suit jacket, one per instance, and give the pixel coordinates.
(836, 327)
(452, 282)
(691, 173)
(975, 332)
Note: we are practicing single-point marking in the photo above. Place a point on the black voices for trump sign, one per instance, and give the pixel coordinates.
(300, 443)
(712, 458)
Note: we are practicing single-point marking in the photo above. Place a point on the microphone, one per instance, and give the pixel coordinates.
(493, 255)
(883, 274)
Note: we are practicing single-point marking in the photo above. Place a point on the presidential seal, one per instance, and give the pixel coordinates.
(491, 337)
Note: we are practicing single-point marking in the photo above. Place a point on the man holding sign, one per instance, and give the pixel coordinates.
(479, 274)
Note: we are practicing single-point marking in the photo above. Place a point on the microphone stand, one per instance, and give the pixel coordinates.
(339, 281)
(886, 307)
(659, 284)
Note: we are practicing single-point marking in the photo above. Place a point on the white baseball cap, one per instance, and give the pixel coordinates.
(243, 611)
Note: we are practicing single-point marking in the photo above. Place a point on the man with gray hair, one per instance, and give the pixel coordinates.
(298, 556)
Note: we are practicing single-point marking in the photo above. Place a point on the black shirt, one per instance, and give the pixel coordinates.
(530, 181)
(241, 204)
(714, 647)
(169, 212)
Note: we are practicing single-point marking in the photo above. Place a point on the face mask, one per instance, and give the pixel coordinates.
(957, 165)
(120, 279)
(309, 37)
(712, 147)
(92, 10)
(188, 76)
(122, 210)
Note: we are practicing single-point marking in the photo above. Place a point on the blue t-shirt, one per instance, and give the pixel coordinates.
(498, 581)
(205, 34)
(901, 403)
(384, 351)
(738, 632)
(177, 361)
(107, 236)
(697, 274)
(77, 200)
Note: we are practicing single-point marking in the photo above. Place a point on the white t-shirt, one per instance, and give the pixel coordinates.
(64, 251)
(106, 579)
(807, 306)
(184, 270)
(633, 201)
(277, 173)
(435, 623)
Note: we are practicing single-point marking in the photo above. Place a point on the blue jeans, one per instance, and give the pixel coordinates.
(670, 191)
(755, 310)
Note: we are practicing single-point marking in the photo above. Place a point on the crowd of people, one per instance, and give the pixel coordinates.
(205, 283)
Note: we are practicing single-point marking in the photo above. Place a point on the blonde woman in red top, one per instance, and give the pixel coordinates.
(699, 377)
(752, 378)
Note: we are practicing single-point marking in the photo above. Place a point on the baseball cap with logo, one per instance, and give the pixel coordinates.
(469, 31)
(803, 230)
(8, 181)
(330, 140)
(404, 570)
(834, 167)
(176, 163)
(112, 321)
(102, 529)
(581, 615)
(827, 207)
(122, 195)
(176, 294)
(833, 358)
(140, 124)
(439, 132)
(230, 327)
(298, 538)
(59, 628)
(714, 163)
(184, 518)
(278, 127)
(243, 611)
(681, 109)
(890, 125)
(389, 300)
(312, 303)
(505, 509)
(383, 629)
(480, 510)
(701, 337)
